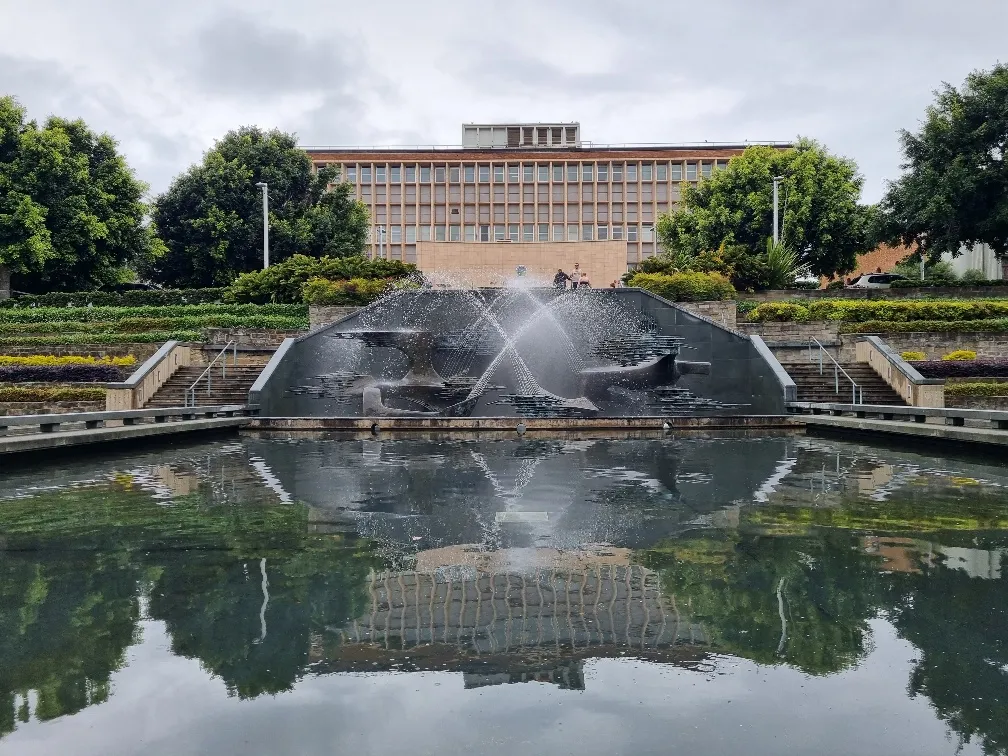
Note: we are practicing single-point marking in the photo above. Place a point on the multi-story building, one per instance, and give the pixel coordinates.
(521, 182)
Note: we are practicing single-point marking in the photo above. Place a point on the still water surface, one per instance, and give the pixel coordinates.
(777, 595)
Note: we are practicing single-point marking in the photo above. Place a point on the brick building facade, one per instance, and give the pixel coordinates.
(521, 183)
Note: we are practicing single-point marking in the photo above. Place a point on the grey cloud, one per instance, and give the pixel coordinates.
(235, 56)
(48, 88)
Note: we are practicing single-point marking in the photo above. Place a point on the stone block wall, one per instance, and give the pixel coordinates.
(45, 408)
(723, 313)
(258, 337)
(319, 316)
(935, 344)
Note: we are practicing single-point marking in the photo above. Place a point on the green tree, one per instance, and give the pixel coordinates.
(210, 219)
(954, 189)
(71, 214)
(821, 219)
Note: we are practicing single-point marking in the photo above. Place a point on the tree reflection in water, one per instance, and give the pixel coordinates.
(79, 570)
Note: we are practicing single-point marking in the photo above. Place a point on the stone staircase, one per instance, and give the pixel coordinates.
(232, 389)
(813, 387)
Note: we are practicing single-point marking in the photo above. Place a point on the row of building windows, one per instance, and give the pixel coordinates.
(541, 232)
(515, 193)
(518, 213)
(529, 173)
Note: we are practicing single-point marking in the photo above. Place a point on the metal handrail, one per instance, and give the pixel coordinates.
(857, 392)
(191, 391)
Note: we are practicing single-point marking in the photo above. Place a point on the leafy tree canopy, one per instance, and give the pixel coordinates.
(71, 213)
(821, 219)
(210, 219)
(954, 190)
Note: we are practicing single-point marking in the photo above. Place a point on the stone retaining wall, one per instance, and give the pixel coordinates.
(258, 337)
(724, 313)
(786, 338)
(319, 315)
(978, 402)
(45, 408)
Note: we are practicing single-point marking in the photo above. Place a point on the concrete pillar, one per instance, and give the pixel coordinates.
(4, 282)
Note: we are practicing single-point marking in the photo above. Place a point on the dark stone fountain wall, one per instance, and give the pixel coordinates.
(322, 374)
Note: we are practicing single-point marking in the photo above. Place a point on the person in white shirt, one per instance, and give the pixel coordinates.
(575, 276)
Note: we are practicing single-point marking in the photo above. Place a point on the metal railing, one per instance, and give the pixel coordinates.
(190, 394)
(857, 392)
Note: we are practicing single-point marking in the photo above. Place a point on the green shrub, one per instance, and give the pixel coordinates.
(932, 283)
(284, 282)
(68, 339)
(50, 394)
(860, 310)
(977, 388)
(744, 307)
(157, 297)
(838, 284)
(355, 291)
(973, 276)
(913, 356)
(685, 287)
(960, 354)
(114, 314)
(999, 325)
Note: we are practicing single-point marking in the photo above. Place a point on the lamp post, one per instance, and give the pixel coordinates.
(265, 187)
(776, 232)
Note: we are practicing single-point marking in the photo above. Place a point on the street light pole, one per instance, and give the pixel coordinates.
(265, 187)
(776, 232)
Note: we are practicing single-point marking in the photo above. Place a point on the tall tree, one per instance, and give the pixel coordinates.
(71, 210)
(210, 219)
(954, 189)
(821, 219)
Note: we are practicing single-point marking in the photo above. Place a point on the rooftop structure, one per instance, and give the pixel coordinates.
(532, 182)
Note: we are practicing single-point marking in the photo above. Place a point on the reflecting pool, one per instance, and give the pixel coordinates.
(582, 595)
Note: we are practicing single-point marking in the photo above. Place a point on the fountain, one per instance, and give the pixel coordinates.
(521, 351)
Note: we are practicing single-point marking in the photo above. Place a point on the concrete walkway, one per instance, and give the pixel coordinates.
(61, 439)
(935, 431)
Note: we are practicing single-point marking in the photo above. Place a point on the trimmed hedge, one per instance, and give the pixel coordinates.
(893, 310)
(982, 368)
(50, 394)
(934, 282)
(285, 281)
(156, 297)
(52, 360)
(61, 374)
(111, 314)
(913, 356)
(71, 339)
(140, 325)
(685, 287)
(354, 291)
(924, 326)
(976, 388)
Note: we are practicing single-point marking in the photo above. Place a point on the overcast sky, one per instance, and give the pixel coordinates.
(167, 79)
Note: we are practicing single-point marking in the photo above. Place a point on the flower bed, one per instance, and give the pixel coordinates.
(981, 368)
(52, 360)
(62, 373)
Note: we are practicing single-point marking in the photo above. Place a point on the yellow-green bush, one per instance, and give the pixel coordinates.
(913, 356)
(977, 388)
(50, 394)
(685, 287)
(960, 354)
(354, 291)
(893, 310)
(52, 360)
